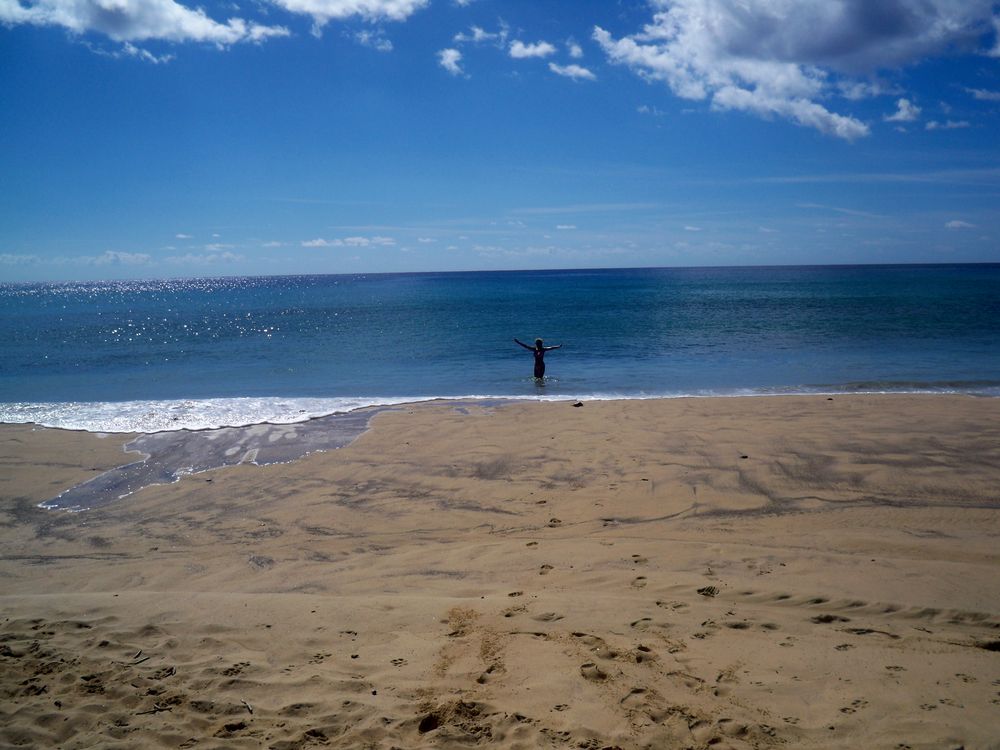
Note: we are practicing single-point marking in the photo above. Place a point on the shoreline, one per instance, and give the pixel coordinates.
(160, 416)
(733, 573)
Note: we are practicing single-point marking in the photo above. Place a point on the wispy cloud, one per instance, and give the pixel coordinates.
(959, 224)
(841, 210)
(204, 259)
(947, 125)
(376, 241)
(585, 208)
(984, 95)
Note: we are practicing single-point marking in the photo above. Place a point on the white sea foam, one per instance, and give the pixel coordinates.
(189, 414)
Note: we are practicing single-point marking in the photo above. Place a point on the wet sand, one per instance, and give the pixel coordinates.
(743, 573)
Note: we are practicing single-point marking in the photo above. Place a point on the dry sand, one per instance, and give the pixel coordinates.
(745, 573)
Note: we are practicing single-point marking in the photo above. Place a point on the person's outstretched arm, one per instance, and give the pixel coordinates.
(524, 345)
(550, 348)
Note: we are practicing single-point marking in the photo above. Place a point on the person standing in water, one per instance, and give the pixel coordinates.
(539, 350)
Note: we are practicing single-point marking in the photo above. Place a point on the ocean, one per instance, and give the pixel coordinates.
(146, 356)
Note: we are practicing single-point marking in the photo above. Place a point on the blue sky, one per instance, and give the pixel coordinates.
(155, 138)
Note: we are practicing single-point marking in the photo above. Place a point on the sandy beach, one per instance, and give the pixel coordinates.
(800, 572)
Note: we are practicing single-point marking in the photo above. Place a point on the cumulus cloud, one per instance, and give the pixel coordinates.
(576, 72)
(958, 224)
(574, 49)
(519, 50)
(350, 242)
(450, 60)
(324, 11)
(136, 20)
(782, 57)
(947, 125)
(906, 111)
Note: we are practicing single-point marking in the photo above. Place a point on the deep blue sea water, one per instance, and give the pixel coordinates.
(147, 355)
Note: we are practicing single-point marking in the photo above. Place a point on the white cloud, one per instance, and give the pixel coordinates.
(565, 226)
(136, 20)
(182, 236)
(194, 259)
(479, 35)
(906, 111)
(426, 240)
(958, 224)
(781, 57)
(689, 228)
(324, 11)
(373, 39)
(273, 243)
(947, 125)
(112, 257)
(450, 60)
(857, 90)
(13, 259)
(985, 95)
(576, 72)
(519, 50)
(375, 241)
(574, 49)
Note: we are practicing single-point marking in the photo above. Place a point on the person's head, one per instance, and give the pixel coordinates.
(538, 343)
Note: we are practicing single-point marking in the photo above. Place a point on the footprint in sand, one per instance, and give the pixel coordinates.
(487, 675)
(639, 560)
(639, 582)
(560, 707)
(856, 705)
(544, 570)
(592, 672)
(844, 647)
(398, 662)
(825, 619)
(547, 617)
(708, 591)
(553, 522)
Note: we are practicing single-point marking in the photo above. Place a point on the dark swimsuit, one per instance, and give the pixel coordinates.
(539, 363)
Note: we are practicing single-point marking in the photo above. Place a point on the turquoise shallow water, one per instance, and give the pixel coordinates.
(127, 355)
